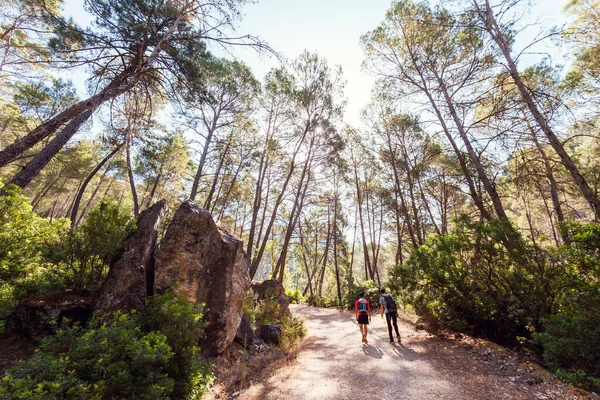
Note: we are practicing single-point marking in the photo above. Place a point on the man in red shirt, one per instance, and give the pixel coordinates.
(362, 308)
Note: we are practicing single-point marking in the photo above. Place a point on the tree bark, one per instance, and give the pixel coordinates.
(491, 26)
(136, 205)
(30, 171)
(256, 261)
(216, 177)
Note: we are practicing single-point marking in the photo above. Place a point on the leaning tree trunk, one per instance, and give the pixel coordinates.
(77, 201)
(294, 216)
(551, 181)
(118, 86)
(92, 196)
(359, 202)
(30, 171)
(491, 26)
(123, 82)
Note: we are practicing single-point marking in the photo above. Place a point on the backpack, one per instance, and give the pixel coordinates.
(362, 306)
(390, 304)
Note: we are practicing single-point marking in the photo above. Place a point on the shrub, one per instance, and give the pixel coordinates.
(38, 256)
(248, 306)
(292, 332)
(294, 296)
(24, 240)
(371, 294)
(82, 258)
(180, 321)
(151, 356)
(268, 311)
(571, 337)
(468, 280)
(571, 341)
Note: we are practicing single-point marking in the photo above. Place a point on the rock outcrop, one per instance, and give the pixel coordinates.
(206, 265)
(38, 316)
(272, 290)
(131, 277)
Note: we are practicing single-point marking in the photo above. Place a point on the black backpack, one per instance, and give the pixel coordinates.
(390, 304)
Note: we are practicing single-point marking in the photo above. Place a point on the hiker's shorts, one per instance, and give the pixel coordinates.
(363, 319)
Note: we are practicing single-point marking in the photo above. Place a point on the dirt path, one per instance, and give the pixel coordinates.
(333, 364)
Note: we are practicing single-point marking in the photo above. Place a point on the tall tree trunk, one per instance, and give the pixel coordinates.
(335, 249)
(492, 27)
(428, 208)
(256, 261)
(216, 177)
(488, 185)
(33, 168)
(551, 181)
(92, 196)
(257, 203)
(485, 214)
(294, 216)
(87, 180)
(202, 161)
(325, 256)
(154, 186)
(45, 190)
(359, 203)
(309, 285)
(136, 205)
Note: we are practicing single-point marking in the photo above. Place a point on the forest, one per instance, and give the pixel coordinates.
(471, 190)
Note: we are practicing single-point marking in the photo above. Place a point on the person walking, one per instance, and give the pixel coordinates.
(362, 309)
(387, 305)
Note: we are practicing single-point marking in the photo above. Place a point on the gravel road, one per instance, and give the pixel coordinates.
(333, 364)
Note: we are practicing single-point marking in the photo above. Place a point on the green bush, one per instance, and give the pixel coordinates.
(371, 294)
(248, 307)
(468, 280)
(38, 256)
(181, 322)
(571, 336)
(294, 296)
(292, 332)
(148, 356)
(82, 258)
(24, 239)
(268, 311)
(571, 341)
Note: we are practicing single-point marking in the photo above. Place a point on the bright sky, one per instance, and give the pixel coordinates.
(332, 28)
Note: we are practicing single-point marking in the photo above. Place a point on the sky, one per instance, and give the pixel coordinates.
(333, 29)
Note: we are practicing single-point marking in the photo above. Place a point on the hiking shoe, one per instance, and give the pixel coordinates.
(398, 337)
(391, 340)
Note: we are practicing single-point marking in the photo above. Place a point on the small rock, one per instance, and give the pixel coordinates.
(536, 380)
(270, 333)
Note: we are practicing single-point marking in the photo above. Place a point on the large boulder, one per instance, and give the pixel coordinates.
(245, 333)
(38, 316)
(131, 277)
(205, 264)
(272, 290)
